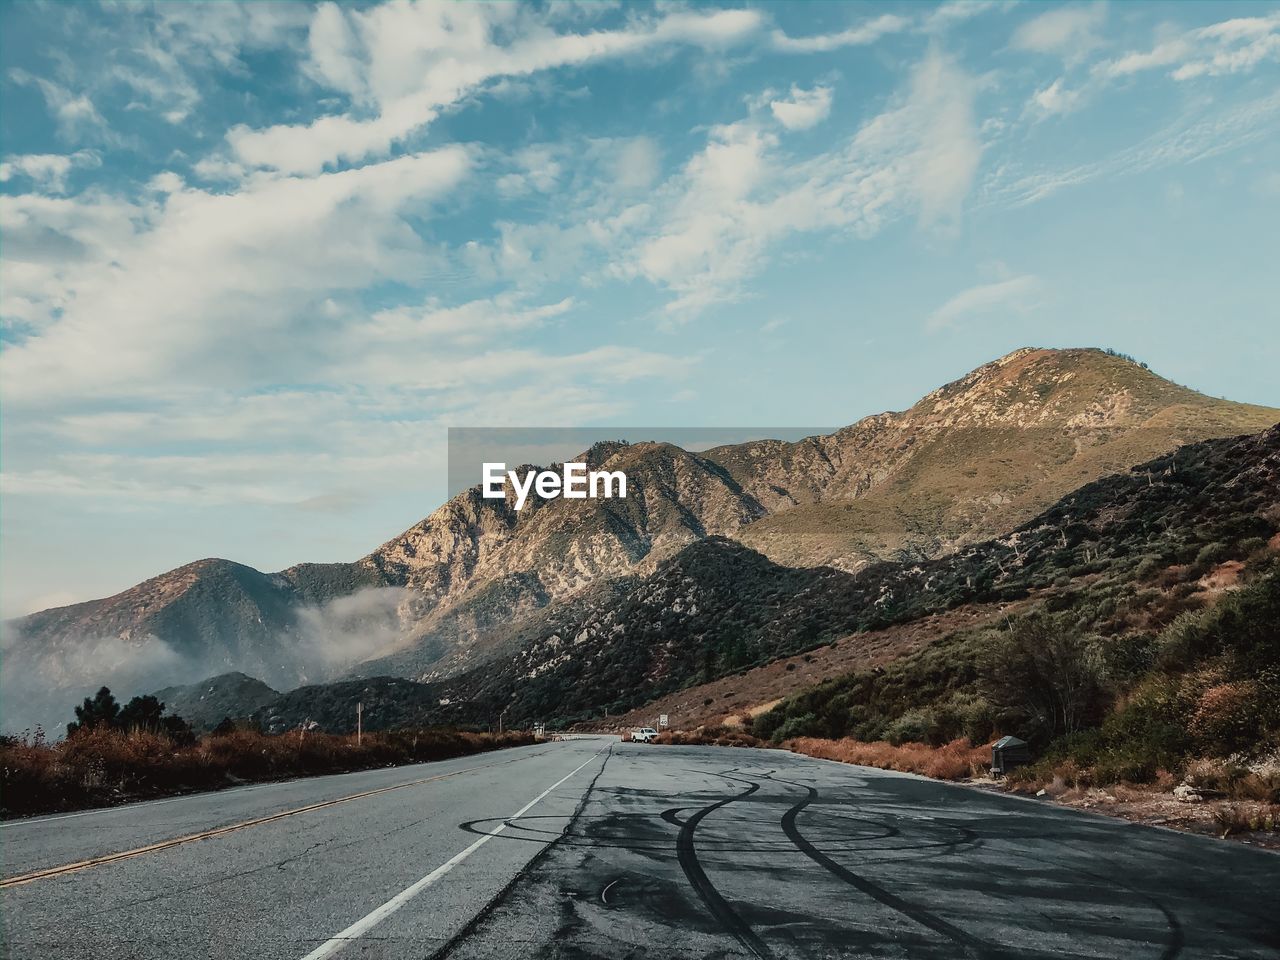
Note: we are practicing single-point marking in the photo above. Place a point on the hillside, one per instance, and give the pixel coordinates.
(204, 705)
(476, 578)
(974, 459)
(718, 608)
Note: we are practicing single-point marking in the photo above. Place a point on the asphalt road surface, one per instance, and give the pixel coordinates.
(592, 848)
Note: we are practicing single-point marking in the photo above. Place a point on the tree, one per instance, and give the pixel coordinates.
(1044, 676)
(141, 713)
(225, 726)
(177, 730)
(100, 710)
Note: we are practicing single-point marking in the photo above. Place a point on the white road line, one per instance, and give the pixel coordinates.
(367, 923)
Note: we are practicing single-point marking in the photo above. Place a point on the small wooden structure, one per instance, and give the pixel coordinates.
(1008, 753)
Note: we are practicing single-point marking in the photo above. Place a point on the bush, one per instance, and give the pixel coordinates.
(1147, 568)
(957, 760)
(1243, 818)
(1210, 555)
(1228, 717)
(102, 765)
(719, 736)
(914, 725)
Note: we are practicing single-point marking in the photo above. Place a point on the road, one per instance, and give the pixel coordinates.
(593, 848)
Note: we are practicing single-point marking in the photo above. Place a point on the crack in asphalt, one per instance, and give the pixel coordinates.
(474, 923)
(248, 872)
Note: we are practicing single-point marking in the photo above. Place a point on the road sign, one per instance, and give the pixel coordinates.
(662, 720)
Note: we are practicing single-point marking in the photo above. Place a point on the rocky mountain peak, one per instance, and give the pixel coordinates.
(973, 459)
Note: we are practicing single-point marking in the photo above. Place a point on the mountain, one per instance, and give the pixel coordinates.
(205, 704)
(468, 583)
(973, 459)
(205, 618)
(969, 461)
(717, 607)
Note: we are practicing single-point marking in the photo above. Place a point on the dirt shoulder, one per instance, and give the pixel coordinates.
(1155, 807)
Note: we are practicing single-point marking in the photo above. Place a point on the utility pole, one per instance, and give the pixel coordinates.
(359, 723)
(501, 717)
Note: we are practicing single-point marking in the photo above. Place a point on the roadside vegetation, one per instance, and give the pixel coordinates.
(1123, 671)
(1145, 663)
(957, 760)
(115, 755)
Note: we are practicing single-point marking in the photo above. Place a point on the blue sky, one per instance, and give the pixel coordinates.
(257, 258)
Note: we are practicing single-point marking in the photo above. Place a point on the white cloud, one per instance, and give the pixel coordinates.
(47, 171)
(407, 62)
(538, 169)
(179, 281)
(1189, 139)
(958, 11)
(1008, 296)
(804, 109)
(1055, 99)
(637, 163)
(711, 226)
(171, 43)
(1230, 46)
(1068, 32)
(76, 116)
(932, 141)
(861, 35)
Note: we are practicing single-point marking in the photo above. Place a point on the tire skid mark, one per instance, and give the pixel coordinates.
(687, 855)
(1177, 937)
(672, 816)
(974, 946)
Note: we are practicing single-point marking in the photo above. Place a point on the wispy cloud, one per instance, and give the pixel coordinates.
(408, 62)
(257, 253)
(1012, 296)
(1190, 139)
(803, 108)
(1229, 46)
(47, 171)
(861, 35)
(1070, 32)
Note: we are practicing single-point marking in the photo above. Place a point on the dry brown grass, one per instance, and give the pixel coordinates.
(957, 760)
(98, 767)
(717, 736)
(1233, 818)
(1213, 777)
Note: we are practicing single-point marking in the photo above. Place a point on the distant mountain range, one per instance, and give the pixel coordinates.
(479, 584)
(718, 607)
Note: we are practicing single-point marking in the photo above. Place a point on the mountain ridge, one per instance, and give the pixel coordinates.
(972, 458)
(719, 607)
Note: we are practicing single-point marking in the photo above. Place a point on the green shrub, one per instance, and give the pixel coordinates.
(914, 726)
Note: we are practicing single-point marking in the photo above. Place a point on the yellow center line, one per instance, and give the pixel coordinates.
(24, 878)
